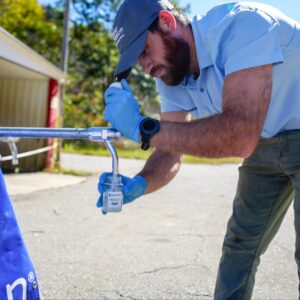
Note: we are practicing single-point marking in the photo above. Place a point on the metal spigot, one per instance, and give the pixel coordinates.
(11, 141)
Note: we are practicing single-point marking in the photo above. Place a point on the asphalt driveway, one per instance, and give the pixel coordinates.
(165, 246)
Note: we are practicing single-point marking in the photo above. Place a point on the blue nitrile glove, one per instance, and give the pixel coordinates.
(122, 110)
(132, 188)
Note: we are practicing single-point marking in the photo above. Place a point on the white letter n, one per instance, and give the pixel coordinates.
(10, 288)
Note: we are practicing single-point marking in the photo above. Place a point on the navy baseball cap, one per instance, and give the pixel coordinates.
(130, 29)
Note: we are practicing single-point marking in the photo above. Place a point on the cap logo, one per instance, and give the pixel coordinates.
(118, 35)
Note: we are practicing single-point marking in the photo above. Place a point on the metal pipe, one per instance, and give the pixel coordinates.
(14, 152)
(92, 134)
(114, 155)
(105, 134)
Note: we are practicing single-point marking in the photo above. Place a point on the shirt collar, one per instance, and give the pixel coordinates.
(203, 57)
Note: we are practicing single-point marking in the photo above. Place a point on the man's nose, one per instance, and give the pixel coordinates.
(145, 64)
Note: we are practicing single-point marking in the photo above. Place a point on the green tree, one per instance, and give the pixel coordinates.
(26, 20)
(93, 55)
(89, 11)
(93, 58)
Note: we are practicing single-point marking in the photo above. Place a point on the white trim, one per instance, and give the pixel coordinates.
(14, 50)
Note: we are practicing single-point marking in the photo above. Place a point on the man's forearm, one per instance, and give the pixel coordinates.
(212, 137)
(235, 131)
(160, 169)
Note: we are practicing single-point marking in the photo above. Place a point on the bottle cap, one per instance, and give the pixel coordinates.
(114, 179)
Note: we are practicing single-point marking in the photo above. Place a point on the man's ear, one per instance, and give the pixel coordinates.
(167, 21)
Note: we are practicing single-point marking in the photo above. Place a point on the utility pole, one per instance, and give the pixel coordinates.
(64, 67)
(65, 40)
(65, 51)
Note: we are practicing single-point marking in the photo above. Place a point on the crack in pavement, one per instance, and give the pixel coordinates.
(179, 295)
(162, 269)
(123, 296)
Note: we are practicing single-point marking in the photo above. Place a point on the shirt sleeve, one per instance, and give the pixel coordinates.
(252, 40)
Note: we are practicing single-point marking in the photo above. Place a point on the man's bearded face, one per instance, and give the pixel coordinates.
(177, 57)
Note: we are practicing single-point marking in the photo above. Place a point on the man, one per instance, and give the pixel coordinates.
(236, 69)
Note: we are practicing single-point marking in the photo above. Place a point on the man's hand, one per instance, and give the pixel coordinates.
(122, 111)
(132, 188)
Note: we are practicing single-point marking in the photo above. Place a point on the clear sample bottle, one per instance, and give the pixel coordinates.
(113, 194)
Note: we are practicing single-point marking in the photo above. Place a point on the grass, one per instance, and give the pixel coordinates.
(137, 153)
(67, 172)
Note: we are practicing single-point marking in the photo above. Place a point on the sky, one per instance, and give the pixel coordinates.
(200, 7)
(289, 7)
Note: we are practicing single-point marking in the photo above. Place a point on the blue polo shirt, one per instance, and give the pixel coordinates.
(236, 36)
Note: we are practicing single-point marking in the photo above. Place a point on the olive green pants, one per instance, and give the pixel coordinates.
(268, 181)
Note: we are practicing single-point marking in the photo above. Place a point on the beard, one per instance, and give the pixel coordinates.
(178, 58)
